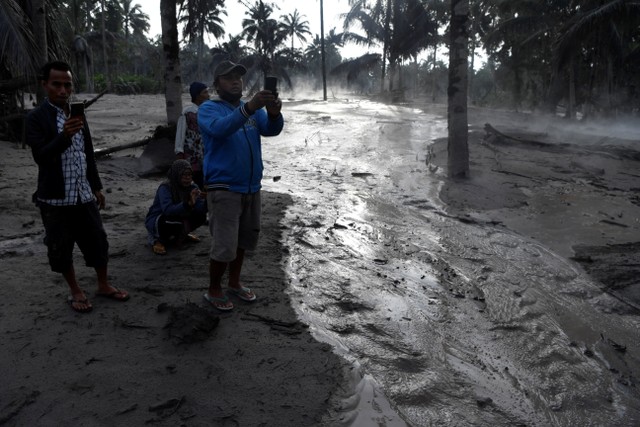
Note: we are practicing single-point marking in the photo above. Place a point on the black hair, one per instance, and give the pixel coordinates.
(45, 71)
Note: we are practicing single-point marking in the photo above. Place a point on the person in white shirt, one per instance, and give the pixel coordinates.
(188, 145)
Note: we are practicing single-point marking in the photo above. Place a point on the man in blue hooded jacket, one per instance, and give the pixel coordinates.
(231, 132)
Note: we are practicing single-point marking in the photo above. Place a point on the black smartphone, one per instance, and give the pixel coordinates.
(77, 109)
(271, 83)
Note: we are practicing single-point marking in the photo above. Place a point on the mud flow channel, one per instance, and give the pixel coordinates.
(457, 322)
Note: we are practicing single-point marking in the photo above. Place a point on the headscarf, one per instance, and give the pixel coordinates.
(178, 192)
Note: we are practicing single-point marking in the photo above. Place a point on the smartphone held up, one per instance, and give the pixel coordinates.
(271, 84)
(76, 109)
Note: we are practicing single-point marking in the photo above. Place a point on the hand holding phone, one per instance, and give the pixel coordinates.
(271, 83)
(267, 97)
(75, 121)
(76, 109)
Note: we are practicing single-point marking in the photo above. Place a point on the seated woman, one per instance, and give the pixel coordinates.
(177, 210)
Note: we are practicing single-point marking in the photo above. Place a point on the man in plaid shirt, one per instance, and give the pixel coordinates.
(69, 192)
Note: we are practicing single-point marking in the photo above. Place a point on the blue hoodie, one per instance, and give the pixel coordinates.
(232, 148)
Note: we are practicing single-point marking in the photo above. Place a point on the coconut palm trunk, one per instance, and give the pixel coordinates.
(105, 57)
(385, 46)
(434, 82)
(458, 150)
(322, 53)
(172, 79)
(571, 107)
(38, 18)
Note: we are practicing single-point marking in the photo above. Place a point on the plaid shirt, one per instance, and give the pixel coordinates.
(74, 168)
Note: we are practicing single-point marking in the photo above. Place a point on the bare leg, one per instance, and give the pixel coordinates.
(235, 267)
(105, 288)
(80, 301)
(103, 280)
(216, 271)
(70, 277)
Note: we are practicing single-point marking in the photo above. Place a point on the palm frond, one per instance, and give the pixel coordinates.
(355, 66)
(17, 45)
(585, 23)
(603, 20)
(516, 28)
(356, 39)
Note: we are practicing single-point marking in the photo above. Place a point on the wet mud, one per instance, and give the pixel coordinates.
(465, 301)
(509, 298)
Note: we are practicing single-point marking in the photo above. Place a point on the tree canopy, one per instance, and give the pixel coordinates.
(580, 56)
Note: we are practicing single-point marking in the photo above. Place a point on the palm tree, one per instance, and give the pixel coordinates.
(82, 52)
(20, 55)
(171, 49)
(371, 19)
(521, 40)
(266, 35)
(413, 31)
(28, 33)
(478, 26)
(201, 17)
(261, 29)
(38, 15)
(458, 150)
(232, 50)
(78, 12)
(24, 47)
(20, 58)
(353, 67)
(135, 21)
(607, 35)
(135, 24)
(313, 51)
(295, 26)
(103, 24)
(438, 10)
(323, 54)
(403, 27)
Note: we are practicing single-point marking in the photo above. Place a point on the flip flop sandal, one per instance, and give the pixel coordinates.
(117, 295)
(192, 238)
(243, 293)
(71, 300)
(219, 303)
(159, 249)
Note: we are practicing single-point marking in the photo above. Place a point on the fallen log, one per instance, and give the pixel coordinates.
(94, 99)
(493, 131)
(22, 115)
(100, 152)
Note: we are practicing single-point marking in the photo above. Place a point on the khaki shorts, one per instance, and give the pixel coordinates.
(234, 222)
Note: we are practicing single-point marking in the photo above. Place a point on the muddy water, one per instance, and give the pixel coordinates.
(456, 322)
